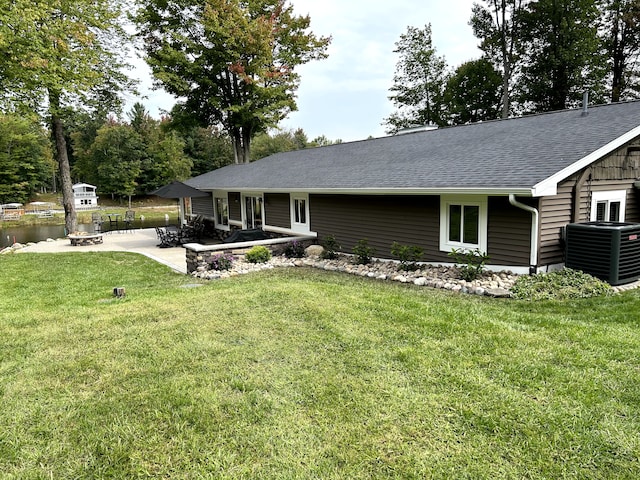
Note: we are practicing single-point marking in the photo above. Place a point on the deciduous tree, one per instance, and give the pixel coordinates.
(473, 93)
(26, 162)
(418, 83)
(563, 54)
(59, 53)
(117, 154)
(621, 38)
(498, 26)
(233, 61)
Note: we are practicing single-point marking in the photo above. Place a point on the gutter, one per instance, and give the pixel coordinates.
(533, 258)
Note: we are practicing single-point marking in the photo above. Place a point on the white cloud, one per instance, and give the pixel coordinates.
(345, 95)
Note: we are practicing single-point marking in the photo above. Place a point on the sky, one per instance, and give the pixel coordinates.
(345, 96)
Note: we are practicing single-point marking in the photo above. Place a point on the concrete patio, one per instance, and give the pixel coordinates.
(142, 241)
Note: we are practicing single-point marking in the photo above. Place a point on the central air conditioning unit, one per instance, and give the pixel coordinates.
(609, 251)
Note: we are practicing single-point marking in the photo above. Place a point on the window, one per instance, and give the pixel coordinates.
(253, 212)
(222, 211)
(608, 206)
(463, 223)
(300, 212)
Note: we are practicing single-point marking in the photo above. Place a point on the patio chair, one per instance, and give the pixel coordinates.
(129, 217)
(96, 219)
(192, 231)
(168, 237)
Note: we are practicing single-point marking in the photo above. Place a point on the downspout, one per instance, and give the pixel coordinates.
(533, 258)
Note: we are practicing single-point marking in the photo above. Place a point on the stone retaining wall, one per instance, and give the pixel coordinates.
(198, 255)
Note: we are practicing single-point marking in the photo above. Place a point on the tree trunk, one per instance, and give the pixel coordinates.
(506, 82)
(70, 217)
(241, 138)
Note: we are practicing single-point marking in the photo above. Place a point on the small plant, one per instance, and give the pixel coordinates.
(560, 285)
(408, 256)
(331, 247)
(470, 263)
(258, 254)
(223, 261)
(363, 252)
(294, 249)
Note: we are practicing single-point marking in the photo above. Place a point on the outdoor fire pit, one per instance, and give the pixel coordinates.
(80, 239)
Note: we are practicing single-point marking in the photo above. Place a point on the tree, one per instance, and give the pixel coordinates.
(473, 93)
(82, 128)
(233, 61)
(621, 39)
(418, 83)
(208, 148)
(67, 52)
(117, 154)
(323, 141)
(281, 141)
(164, 159)
(498, 26)
(25, 158)
(563, 56)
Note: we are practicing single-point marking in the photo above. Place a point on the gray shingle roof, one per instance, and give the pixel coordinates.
(514, 154)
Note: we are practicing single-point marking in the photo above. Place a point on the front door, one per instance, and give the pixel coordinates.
(253, 212)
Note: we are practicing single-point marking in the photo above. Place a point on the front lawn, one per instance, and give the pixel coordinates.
(299, 373)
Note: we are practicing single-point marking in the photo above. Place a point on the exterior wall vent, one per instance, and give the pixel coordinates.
(609, 251)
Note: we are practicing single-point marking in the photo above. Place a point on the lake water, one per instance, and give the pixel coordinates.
(37, 233)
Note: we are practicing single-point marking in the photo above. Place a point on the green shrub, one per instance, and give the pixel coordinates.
(563, 284)
(408, 255)
(331, 247)
(363, 252)
(470, 263)
(258, 254)
(294, 249)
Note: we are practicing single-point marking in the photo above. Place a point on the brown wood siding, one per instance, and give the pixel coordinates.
(410, 220)
(277, 210)
(415, 220)
(202, 206)
(555, 212)
(617, 171)
(508, 233)
(235, 206)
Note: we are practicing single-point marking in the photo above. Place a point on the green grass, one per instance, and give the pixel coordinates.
(305, 374)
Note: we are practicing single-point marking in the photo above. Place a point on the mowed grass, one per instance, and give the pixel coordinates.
(297, 373)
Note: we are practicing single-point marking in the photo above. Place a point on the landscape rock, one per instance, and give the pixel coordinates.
(314, 250)
(491, 284)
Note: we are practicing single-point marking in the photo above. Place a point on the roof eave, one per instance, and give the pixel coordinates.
(549, 186)
(501, 191)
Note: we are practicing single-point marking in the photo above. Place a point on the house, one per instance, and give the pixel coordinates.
(84, 196)
(506, 187)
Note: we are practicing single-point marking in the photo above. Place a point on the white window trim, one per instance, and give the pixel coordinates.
(296, 226)
(244, 207)
(609, 196)
(225, 197)
(471, 200)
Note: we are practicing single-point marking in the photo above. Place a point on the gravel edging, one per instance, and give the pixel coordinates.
(441, 277)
